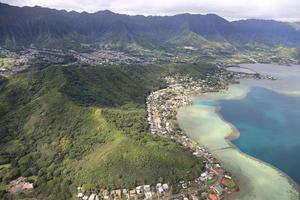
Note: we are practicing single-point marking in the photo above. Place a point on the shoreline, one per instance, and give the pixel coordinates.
(235, 134)
(243, 180)
(182, 94)
(162, 109)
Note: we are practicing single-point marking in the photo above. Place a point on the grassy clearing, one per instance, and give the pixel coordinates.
(5, 166)
(6, 63)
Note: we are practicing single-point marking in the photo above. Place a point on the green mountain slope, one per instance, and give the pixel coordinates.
(189, 39)
(65, 126)
(52, 28)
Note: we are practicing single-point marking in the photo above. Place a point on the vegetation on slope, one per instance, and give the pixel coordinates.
(5, 63)
(288, 53)
(51, 28)
(65, 126)
(296, 53)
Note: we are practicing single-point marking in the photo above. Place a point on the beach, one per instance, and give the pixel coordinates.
(203, 123)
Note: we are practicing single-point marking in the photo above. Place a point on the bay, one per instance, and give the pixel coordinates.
(269, 126)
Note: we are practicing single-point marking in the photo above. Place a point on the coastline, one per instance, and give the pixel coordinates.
(235, 134)
(257, 180)
(293, 189)
(162, 108)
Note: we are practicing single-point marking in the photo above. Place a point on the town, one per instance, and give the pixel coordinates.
(216, 183)
(21, 60)
(99, 55)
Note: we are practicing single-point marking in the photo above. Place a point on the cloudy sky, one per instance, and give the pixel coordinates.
(285, 10)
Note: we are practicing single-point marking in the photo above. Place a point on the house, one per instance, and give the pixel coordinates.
(132, 192)
(218, 166)
(118, 193)
(165, 187)
(159, 188)
(85, 197)
(148, 195)
(213, 196)
(80, 195)
(138, 189)
(218, 189)
(125, 192)
(27, 186)
(228, 177)
(112, 193)
(203, 176)
(105, 194)
(147, 188)
(92, 197)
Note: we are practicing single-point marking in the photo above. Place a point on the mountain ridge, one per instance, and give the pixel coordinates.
(33, 25)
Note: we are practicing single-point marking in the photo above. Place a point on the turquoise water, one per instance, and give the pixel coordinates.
(269, 124)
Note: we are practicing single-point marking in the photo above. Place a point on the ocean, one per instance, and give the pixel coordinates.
(269, 126)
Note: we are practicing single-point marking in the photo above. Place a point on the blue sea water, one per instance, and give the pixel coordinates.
(269, 124)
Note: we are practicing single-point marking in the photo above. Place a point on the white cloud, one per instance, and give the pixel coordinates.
(230, 9)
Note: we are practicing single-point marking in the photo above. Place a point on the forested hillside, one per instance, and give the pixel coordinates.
(61, 127)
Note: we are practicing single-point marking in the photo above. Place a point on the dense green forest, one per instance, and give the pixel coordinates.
(61, 127)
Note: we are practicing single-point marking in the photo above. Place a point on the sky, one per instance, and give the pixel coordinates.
(283, 10)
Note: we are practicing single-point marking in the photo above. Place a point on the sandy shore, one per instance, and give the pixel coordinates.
(257, 179)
